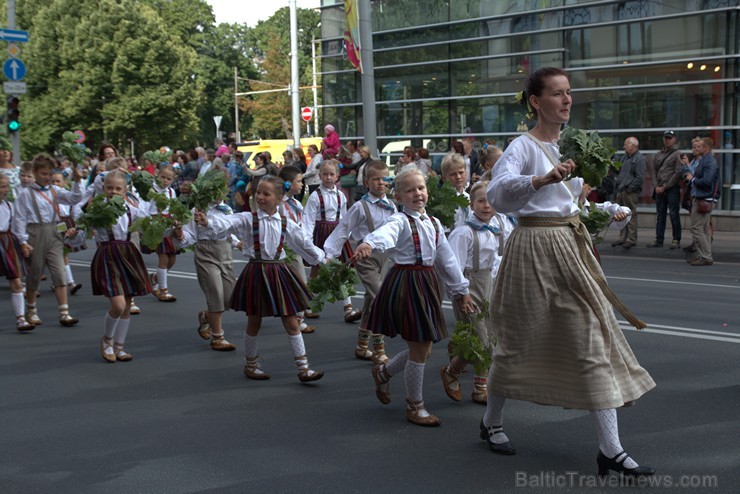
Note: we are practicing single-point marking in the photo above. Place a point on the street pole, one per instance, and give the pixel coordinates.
(295, 110)
(315, 91)
(369, 119)
(15, 137)
(236, 107)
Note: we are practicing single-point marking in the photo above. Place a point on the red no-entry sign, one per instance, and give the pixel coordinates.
(306, 113)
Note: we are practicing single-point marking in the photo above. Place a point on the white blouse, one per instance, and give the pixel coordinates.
(511, 190)
(192, 232)
(395, 239)
(269, 235)
(6, 212)
(354, 224)
(312, 211)
(120, 229)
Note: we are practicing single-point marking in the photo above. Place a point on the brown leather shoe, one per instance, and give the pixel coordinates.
(106, 343)
(451, 384)
(164, 296)
(311, 315)
(413, 410)
(67, 320)
(220, 344)
(204, 327)
(351, 315)
(308, 375)
(121, 354)
(22, 325)
(257, 376)
(700, 261)
(382, 384)
(307, 328)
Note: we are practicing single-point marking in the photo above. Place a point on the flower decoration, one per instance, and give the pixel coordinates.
(522, 99)
(287, 185)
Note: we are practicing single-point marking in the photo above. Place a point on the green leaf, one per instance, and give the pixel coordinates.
(591, 154)
(102, 213)
(443, 201)
(334, 281)
(467, 345)
(209, 188)
(143, 181)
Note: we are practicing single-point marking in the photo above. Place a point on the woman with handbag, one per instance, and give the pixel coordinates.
(704, 182)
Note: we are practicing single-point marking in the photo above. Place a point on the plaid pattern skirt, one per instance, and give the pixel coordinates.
(558, 340)
(12, 262)
(408, 303)
(321, 232)
(269, 288)
(118, 269)
(167, 246)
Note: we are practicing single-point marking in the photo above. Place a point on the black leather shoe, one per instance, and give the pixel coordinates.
(503, 449)
(616, 464)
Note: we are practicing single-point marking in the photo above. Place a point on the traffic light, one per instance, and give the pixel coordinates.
(12, 115)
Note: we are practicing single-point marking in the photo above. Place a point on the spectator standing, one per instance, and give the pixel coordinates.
(10, 170)
(667, 194)
(221, 148)
(311, 177)
(704, 186)
(330, 143)
(629, 185)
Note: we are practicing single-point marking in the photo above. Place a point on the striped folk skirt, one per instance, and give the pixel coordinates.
(408, 303)
(118, 269)
(12, 262)
(558, 340)
(167, 246)
(321, 232)
(269, 288)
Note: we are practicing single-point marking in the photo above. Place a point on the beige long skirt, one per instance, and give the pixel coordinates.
(558, 340)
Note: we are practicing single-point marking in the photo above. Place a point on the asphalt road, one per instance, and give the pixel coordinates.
(182, 418)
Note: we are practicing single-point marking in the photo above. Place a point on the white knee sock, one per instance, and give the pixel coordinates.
(494, 417)
(250, 346)
(17, 300)
(397, 363)
(607, 429)
(162, 278)
(296, 343)
(121, 330)
(414, 376)
(68, 272)
(347, 301)
(110, 326)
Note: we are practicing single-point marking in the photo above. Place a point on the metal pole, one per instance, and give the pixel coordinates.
(15, 137)
(295, 105)
(369, 119)
(315, 90)
(236, 107)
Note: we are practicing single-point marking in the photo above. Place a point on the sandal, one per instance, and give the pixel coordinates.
(121, 355)
(382, 384)
(105, 344)
(22, 325)
(67, 320)
(204, 327)
(252, 369)
(414, 415)
(164, 296)
(451, 384)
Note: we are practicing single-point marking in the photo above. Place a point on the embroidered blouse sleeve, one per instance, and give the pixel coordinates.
(348, 223)
(386, 237)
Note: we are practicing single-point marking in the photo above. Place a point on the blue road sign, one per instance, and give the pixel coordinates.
(14, 69)
(13, 35)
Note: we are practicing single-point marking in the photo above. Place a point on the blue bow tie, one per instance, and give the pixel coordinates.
(481, 227)
(223, 208)
(43, 188)
(383, 203)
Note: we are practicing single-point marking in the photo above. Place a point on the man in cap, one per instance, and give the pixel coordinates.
(667, 193)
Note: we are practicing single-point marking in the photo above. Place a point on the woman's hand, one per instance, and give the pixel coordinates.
(559, 173)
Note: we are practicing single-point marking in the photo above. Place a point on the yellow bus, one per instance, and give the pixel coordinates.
(275, 147)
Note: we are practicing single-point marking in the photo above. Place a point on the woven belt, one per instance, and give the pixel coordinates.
(583, 241)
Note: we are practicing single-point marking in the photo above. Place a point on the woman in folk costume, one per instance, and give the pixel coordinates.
(558, 341)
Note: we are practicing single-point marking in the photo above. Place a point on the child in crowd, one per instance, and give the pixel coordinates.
(364, 217)
(324, 208)
(478, 247)
(214, 268)
(12, 262)
(26, 175)
(490, 157)
(266, 286)
(408, 301)
(166, 251)
(39, 230)
(293, 209)
(453, 171)
(118, 272)
(73, 240)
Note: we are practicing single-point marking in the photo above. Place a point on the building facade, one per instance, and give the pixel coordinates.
(447, 69)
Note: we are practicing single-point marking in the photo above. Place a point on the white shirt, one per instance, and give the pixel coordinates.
(25, 211)
(192, 232)
(461, 243)
(312, 211)
(204, 168)
(354, 224)
(120, 229)
(6, 212)
(269, 235)
(395, 239)
(511, 190)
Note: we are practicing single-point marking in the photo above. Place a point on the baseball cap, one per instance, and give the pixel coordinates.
(669, 133)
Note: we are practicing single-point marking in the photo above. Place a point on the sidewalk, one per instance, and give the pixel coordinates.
(725, 247)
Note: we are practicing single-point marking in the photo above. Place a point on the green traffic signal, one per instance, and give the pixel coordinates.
(12, 114)
(14, 125)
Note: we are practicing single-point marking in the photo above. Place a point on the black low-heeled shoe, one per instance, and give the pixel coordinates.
(617, 465)
(503, 449)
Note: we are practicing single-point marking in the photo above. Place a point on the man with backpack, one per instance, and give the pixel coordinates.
(667, 193)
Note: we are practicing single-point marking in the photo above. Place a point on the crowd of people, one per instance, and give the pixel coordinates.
(514, 248)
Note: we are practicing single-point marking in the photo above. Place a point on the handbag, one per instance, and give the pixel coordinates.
(703, 206)
(348, 181)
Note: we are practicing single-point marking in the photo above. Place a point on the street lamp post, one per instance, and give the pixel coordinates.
(295, 106)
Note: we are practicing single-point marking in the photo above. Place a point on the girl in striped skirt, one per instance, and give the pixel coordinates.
(12, 262)
(267, 286)
(408, 302)
(324, 208)
(118, 272)
(166, 251)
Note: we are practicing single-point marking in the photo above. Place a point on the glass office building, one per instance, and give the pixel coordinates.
(446, 69)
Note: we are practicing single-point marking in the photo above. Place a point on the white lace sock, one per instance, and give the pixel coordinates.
(110, 326)
(68, 272)
(494, 417)
(162, 278)
(607, 429)
(414, 377)
(299, 351)
(121, 331)
(17, 300)
(250, 353)
(397, 363)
